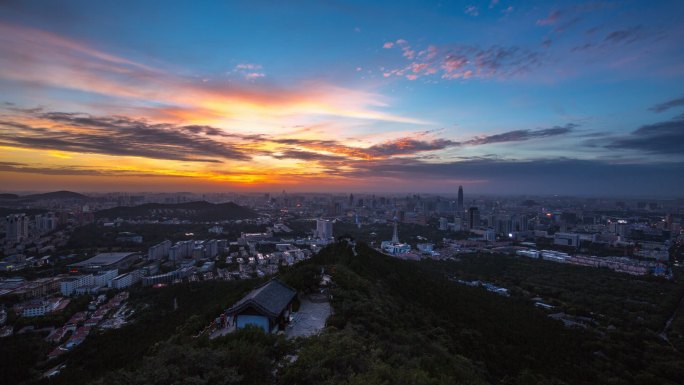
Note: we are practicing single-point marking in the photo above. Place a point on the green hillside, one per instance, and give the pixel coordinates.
(394, 322)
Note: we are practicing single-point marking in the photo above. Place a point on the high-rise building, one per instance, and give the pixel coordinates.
(324, 229)
(45, 223)
(459, 204)
(17, 227)
(474, 217)
(335, 209)
(489, 235)
(159, 251)
(443, 223)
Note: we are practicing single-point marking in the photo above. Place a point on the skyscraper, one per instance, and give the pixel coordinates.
(459, 205)
(473, 217)
(17, 227)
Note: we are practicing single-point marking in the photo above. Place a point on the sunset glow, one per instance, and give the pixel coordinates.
(255, 98)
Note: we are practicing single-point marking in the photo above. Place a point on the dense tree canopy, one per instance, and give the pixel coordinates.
(400, 322)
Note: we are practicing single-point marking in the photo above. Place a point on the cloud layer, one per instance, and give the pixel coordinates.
(662, 138)
(462, 61)
(662, 107)
(124, 136)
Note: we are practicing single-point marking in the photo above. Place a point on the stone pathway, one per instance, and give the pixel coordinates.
(309, 320)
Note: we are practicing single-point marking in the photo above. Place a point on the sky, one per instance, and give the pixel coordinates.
(502, 97)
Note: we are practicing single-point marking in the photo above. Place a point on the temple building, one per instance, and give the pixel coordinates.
(268, 307)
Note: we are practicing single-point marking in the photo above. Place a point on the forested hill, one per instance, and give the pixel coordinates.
(197, 211)
(394, 322)
(57, 195)
(64, 195)
(404, 322)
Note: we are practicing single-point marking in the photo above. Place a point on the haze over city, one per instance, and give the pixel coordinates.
(498, 96)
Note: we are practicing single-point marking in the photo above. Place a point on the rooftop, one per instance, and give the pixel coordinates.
(103, 259)
(270, 298)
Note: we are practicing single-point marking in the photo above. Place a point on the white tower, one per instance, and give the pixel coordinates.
(395, 236)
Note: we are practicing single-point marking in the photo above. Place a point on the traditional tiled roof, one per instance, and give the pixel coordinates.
(271, 299)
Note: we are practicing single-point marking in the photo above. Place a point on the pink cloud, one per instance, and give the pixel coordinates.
(388, 45)
(49, 62)
(452, 64)
(418, 67)
(401, 41)
(465, 62)
(249, 71)
(248, 66)
(412, 77)
(409, 53)
(431, 52)
(551, 19)
(471, 10)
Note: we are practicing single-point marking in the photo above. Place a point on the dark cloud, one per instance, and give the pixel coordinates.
(406, 146)
(508, 61)
(124, 136)
(582, 47)
(659, 138)
(117, 135)
(307, 155)
(522, 135)
(628, 35)
(662, 107)
(593, 135)
(76, 171)
(305, 142)
(409, 145)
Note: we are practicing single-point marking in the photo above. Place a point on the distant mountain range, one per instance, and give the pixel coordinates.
(36, 197)
(198, 211)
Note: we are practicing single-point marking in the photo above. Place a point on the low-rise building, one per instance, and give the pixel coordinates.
(106, 261)
(68, 286)
(566, 239)
(125, 280)
(38, 308)
(103, 278)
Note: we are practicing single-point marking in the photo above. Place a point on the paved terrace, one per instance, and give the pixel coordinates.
(311, 317)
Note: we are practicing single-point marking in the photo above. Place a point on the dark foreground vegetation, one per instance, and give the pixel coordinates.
(395, 322)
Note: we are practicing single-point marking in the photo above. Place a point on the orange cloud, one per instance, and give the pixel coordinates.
(42, 59)
(171, 127)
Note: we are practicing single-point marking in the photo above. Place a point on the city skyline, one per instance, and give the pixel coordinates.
(502, 97)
